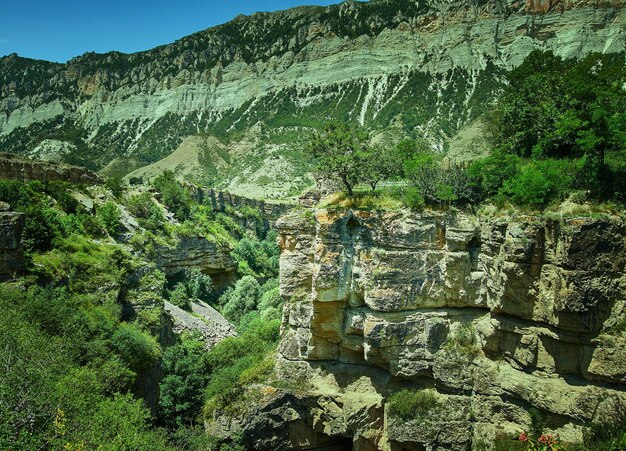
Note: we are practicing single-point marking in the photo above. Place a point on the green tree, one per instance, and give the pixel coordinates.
(110, 216)
(186, 374)
(556, 108)
(339, 151)
(180, 297)
(425, 174)
(175, 197)
(487, 175)
(137, 348)
(243, 299)
(199, 286)
(379, 163)
(116, 185)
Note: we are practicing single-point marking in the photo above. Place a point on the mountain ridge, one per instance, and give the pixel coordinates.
(404, 67)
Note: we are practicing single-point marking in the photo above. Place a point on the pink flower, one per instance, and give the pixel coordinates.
(547, 439)
(523, 437)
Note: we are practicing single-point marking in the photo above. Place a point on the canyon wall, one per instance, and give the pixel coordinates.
(492, 316)
(14, 167)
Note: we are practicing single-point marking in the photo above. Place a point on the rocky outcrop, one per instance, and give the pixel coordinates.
(11, 251)
(223, 202)
(494, 315)
(15, 167)
(197, 253)
(203, 319)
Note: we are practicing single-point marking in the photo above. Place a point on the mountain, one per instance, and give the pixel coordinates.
(231, 106)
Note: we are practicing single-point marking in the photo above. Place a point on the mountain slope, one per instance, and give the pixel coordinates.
(427, 68)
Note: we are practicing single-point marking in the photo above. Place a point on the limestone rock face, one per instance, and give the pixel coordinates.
(498, 315)
(18, 168)
(211, 326)
(197, 253)
(11, 228)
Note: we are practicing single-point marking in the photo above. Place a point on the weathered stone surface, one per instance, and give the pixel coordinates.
(197, 253)
(503, 313)
(11, 228)
(19, 168)
(207, 321)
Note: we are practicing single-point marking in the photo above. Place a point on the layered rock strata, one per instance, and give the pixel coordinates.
(14, 167)
(426, 67)
(197, 253)
(493, 316)
(11, 250)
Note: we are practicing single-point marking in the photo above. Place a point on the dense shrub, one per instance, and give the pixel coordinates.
(408, 405)
(148, 213)
(116, 185)
(138, 349)
(179, 296)
(539, 182)
(258, 258)
(243, 299)
(175, 197)
(238, 361)
(186, 374)
(110, 216)
(60, 391)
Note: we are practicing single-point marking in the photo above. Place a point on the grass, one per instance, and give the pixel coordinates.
(409, 405)
(383, 199)
(463, 341)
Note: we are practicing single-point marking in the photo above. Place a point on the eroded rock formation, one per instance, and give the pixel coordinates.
(494, 315)
(11, 250)
(15, 167)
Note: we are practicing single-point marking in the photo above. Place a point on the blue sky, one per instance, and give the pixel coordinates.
(59, 30)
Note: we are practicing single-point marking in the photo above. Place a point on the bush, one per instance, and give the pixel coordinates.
(425, 174)
(243, 299)
(93, 227)
(199, 286)
(138, 349)
(259, 258)
(175, 197)
(538, 183)
(237, 361)
(413, 199)
(180, 297)
(110, 216)
(116, 185)
(149, 215)
(486, 176)
(408, 405)
(186, 374)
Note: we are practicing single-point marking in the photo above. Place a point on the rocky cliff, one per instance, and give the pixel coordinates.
(11, 249)
(404, 66)
(490, 316)
(15, 167)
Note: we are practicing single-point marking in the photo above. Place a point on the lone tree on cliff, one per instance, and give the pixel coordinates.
(341, 152)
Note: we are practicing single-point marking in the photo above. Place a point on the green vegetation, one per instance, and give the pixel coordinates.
(413, 405)
(68, 364)
(558, 130)
(463, 341)
(175, 197)
(194, 287)
(80, 362)
(238, 362)
(561, 126)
